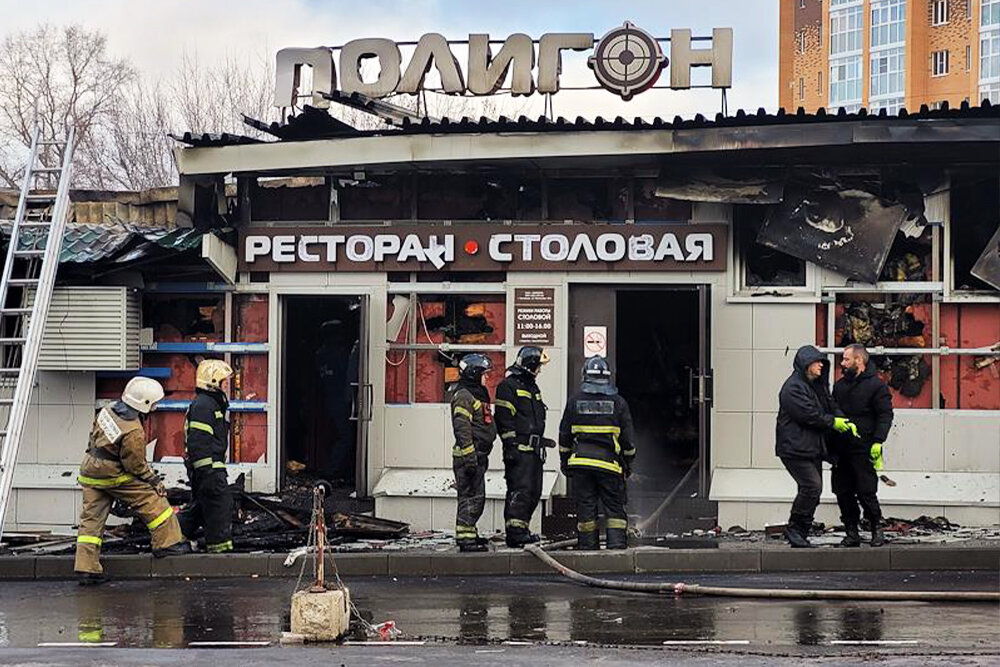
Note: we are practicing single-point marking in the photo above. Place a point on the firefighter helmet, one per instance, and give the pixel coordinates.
(597, 376)
(531, 359)
(212, 373)
(474, 366)
(142, 394)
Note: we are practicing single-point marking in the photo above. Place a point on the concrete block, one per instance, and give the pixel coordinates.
(321, 616)
(944, 558)
(824, 560)
(594, 562)
(970, 441)
(697, 560)
(777, 326)
(54, 567)
(770, 370)
(732, 514)
(731, 439)
(210, 565)
(17, 567)
(410, 565)
(459, 564)
(348, 565)
(974, 516)
(430, 450)
(412, 510)
(521, 562)
(733, 374)
(130, 566)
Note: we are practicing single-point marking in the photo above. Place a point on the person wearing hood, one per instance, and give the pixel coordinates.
(596, 450)
(865, 400)
(206, 446)
(472, 422)
(807, 414)
(521, 422)
(115, 468)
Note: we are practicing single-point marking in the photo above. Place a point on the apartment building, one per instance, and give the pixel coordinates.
(888, 54)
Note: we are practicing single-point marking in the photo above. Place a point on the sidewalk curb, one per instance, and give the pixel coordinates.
(510, 562)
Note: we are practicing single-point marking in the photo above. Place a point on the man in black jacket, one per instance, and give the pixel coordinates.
(520, 415)
(866, 401)
(596, 449)
(807, 414)
(206, 446)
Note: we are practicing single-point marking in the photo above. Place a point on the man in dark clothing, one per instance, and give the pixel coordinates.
(807, 414)
(596, 450)
(206, 445)
(867, 402)
(521, 423)
(475, 432)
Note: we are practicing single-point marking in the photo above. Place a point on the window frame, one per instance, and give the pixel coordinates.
(941, 57)
(939, 13)
(738, 281)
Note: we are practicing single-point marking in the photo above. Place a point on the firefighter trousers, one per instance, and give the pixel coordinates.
(523, 474)
(591, 487)
(211, 508)
(470, 482)
(155, 511)
(855, 482)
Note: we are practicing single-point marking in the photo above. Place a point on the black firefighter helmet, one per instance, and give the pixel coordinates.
(473, 366)
(597, 376)
(531, 359)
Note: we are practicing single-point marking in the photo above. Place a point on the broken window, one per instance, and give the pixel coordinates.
(427, 335)
(973, 234)
(299, 199)
(910, 257)
(466, 197)
(581, 199)
(757, 265)
(375, 197)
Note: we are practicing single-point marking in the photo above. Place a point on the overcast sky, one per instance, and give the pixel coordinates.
(154, 35)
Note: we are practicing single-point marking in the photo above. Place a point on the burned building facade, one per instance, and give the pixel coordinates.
(344, 272)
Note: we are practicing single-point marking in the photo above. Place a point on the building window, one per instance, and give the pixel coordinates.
(891, 105)
(800, 40)
(968, 57)
(989, 56)
(802, 4)
(845, 30)
(888, 25)
(939, 63)
(989, 13)
(819, 82)
(940, 12)
(802, 87)
(990, 92)
(845, 83)
(759, 268)
(887, 74)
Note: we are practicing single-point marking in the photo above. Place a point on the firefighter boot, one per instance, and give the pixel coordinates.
(471, 546)
(587, 538)
(617, 538)
(878, 537)
(90, 578)
(179, 549)
(853, 537)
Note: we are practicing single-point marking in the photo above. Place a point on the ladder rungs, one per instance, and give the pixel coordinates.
(40, 197)
(29, 253)
(6, 401)
(10, 371)
(15, 311)
(50, 142)
(46, 170)
(34, 223)
(12, 341)
(23, 281)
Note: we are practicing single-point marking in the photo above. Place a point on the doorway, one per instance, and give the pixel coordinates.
(325, 402)
(657, 342)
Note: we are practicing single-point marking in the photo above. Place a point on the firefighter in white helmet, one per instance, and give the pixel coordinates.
(115, 467)
(206, 443)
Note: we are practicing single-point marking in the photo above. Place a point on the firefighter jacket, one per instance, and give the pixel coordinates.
(206, 431)
(596, 433)
(472, 421)
(520, 412)
(116, 453)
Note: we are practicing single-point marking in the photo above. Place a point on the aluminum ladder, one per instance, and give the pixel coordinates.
(29, 274)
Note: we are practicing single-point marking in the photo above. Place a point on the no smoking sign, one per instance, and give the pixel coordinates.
(595, 342)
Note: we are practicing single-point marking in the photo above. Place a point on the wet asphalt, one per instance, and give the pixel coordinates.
(505, 619)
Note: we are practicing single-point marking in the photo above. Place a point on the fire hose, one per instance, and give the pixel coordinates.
(678, 589)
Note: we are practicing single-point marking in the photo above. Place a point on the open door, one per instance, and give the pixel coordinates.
(361, 412)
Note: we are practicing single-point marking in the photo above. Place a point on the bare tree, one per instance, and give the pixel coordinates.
(137, 149)
(215, 99)
(66, 76)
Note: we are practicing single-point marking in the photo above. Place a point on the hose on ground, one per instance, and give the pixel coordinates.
(763, 593)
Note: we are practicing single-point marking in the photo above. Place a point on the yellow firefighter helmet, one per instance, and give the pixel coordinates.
(212, 373)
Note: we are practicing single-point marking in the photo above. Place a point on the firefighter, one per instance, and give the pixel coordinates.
(520, 415)
(475, 432)
(206, 435)
(115, 468)
(596, 450)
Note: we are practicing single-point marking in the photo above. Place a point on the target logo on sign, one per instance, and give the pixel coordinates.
(595, 341)
(627, 60)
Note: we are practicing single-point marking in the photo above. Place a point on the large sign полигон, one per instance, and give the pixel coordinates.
(486, 247)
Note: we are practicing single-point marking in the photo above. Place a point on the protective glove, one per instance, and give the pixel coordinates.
(843, 425)
(875, 454)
